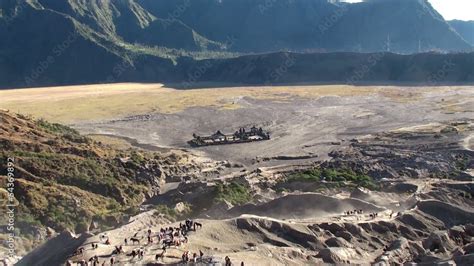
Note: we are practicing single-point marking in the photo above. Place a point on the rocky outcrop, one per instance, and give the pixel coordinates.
(337, 255)
(433, 152)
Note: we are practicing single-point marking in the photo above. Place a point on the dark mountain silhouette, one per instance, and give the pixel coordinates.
(51, 42)
(348, 68)
(262, 25)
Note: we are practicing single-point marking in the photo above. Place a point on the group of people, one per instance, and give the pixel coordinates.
(168, 236)
(373, 215)
(353, 212)
(185, 257)
(140, 253)
(93, 261)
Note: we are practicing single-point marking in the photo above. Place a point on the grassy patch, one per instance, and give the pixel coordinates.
(233, 192)
(56, 128)
(332, 175)
(171, 213)
(62, 130)
(72, 104)
(462, 163)
(64, 183)
(167, 212)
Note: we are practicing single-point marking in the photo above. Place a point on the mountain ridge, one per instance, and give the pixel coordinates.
(320, 24)
(464, 28)
(162, 41)
(426, 69)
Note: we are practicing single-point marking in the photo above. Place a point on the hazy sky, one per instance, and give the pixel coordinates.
(450, 9)
(455, 9)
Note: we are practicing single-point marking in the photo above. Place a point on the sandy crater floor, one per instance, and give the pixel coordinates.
(305, 121)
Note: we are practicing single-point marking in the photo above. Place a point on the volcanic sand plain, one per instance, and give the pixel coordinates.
(305, 121)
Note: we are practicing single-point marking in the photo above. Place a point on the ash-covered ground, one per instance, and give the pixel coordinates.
(302, 127)
(398, 159)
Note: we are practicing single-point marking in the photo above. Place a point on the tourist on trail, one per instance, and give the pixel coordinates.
(94, 260)
(185, 256)
(227, 261)
(79, 251)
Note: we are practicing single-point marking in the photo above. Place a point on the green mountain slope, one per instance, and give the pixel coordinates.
(129, 22)
(65, 181)
(58, 42)
(55, 160)
(54, 49)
